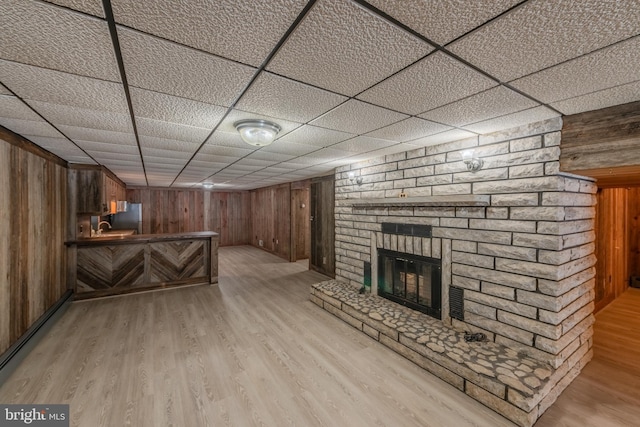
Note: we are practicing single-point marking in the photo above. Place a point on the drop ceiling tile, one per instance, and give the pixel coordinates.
(53, 37)
(612, 66)
(168, 130)
(314, 136)
(62, 148)
(81, 117)
(489, 104)
(406, 130)
(244, 31)
(362, 144)
(357, 117)
(168, 108)
(92, 7)
(280, 97)
(292, 165)
(30, 127)
(13, 108)
(4, 91)
(166, 67)
(182, 148)
(512, 120)
(344, 48)
(601, 99)
(106, 147)
(443, 21)
(324, 155)
(273, 157)
(213, 158)
(441, 138)
(436, 80)
(540, 34)
(235, 115)
(289, 148)
(98, 135)
(120, 158)
(39, 84)
(228, 139)
(257, 164)
(162, 160)
(221, 150)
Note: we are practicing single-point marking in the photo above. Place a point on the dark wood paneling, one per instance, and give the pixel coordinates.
(300, 217)
(176, 211)
(271, 219)
(612, 246)
(33, 225)
(601, 139)
(323, 226)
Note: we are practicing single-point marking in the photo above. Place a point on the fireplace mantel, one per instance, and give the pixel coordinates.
(448, 201)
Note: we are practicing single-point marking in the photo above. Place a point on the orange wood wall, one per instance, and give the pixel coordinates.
(634, 231)
(612, 245)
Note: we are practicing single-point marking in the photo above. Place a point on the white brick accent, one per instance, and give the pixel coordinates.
(525, 262)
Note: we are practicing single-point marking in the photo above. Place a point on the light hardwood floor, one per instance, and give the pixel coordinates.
(254, 351)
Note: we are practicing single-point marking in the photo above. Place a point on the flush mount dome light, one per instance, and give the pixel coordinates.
(257, 132)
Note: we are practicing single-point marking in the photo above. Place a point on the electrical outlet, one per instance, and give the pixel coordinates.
(277, 241)
(324, 259)
(260, 243)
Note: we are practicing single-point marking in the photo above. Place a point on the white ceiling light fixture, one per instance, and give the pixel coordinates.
(258, 133)
(207, 185)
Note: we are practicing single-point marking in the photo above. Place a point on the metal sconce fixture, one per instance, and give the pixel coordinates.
(474, 164)
(257, 132)
(352, 177)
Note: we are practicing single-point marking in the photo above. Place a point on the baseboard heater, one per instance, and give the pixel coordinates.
(14, 354)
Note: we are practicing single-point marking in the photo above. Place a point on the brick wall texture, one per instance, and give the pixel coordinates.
(525, 262)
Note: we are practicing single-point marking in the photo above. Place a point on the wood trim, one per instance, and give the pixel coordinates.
(19, 141)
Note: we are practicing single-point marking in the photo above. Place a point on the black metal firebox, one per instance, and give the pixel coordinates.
(410, 280)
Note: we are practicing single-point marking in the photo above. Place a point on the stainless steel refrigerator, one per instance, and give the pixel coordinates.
(131, 219)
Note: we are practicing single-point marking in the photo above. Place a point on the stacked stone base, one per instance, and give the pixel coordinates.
(515, 386)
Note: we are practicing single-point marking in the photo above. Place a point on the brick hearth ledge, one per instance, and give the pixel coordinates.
(517, 387)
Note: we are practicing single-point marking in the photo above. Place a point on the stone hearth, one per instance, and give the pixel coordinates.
(512, 384)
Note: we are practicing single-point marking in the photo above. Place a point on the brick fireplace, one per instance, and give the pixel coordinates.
(515, 239)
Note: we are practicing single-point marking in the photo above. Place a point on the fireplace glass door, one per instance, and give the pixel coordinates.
(411, 280)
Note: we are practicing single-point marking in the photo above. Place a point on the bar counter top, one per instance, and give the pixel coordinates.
(139, 238)
(112, 265)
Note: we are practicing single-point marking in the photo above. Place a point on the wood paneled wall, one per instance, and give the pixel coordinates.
(634, 231)
(612, 245)
(323, 230)
(182, 210)
(271, 219)
(33, 226)
(300, 224)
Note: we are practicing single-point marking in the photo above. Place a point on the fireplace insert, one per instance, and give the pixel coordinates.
(410, 280)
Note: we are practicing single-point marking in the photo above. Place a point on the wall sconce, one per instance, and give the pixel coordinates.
(474, 164)
(352, 177)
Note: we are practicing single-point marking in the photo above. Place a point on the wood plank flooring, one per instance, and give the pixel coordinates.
(254, 350)
(607, 391)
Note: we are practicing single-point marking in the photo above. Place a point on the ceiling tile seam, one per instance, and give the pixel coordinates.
(487, 22)
(108, 11)
(70, 9)
(576, 58)
(596, 91)
(259, 70)
(186, 46)
(175, 96)
(440, 48)
(48, 122)
(61, 71)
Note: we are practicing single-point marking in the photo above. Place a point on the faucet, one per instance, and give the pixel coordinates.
(100, 223)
